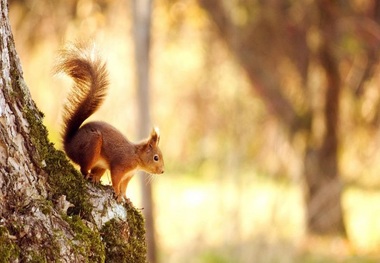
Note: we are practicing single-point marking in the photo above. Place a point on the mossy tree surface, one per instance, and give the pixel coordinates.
(48, 212)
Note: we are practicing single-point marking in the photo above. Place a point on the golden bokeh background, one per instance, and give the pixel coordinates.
(233, 186)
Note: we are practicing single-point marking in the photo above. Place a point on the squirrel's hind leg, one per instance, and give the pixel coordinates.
(91, 153)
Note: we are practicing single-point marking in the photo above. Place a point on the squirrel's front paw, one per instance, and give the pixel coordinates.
(118, 197)
(95, 180)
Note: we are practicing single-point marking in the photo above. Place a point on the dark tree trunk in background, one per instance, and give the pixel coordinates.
(142, 13)
(48, 212)
(287, 39)
(324, 209)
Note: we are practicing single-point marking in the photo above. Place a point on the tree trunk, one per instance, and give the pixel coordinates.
(48, 212)
(142, 13)
(324, 210)
(324, 214)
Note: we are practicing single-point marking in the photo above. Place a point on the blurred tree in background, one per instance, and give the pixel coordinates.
(272, 38)
(265, 36)
(240, 88)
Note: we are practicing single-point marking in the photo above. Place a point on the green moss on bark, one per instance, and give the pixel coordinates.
(124, 243)
(90, 244)
(9, 250)
(63, 178)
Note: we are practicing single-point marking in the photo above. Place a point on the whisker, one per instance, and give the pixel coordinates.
(154, 177)
(149, 179)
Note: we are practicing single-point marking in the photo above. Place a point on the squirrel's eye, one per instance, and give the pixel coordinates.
(155, 157)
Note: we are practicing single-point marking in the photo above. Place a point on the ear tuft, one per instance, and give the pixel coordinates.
(155, 136)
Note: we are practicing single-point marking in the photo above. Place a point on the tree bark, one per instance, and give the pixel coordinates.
(48, 212)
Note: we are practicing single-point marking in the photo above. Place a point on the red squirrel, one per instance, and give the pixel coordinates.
(97, 146)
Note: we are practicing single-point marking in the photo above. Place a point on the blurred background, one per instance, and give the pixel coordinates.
(268, 112)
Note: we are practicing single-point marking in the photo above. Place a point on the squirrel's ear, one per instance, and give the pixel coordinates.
(154, 137)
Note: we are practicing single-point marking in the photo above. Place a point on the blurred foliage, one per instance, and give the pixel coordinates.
(215, 129)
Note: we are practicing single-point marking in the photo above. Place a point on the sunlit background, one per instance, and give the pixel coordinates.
(233, 188)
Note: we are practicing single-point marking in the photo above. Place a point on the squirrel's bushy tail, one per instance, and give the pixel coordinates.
(81, 63)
